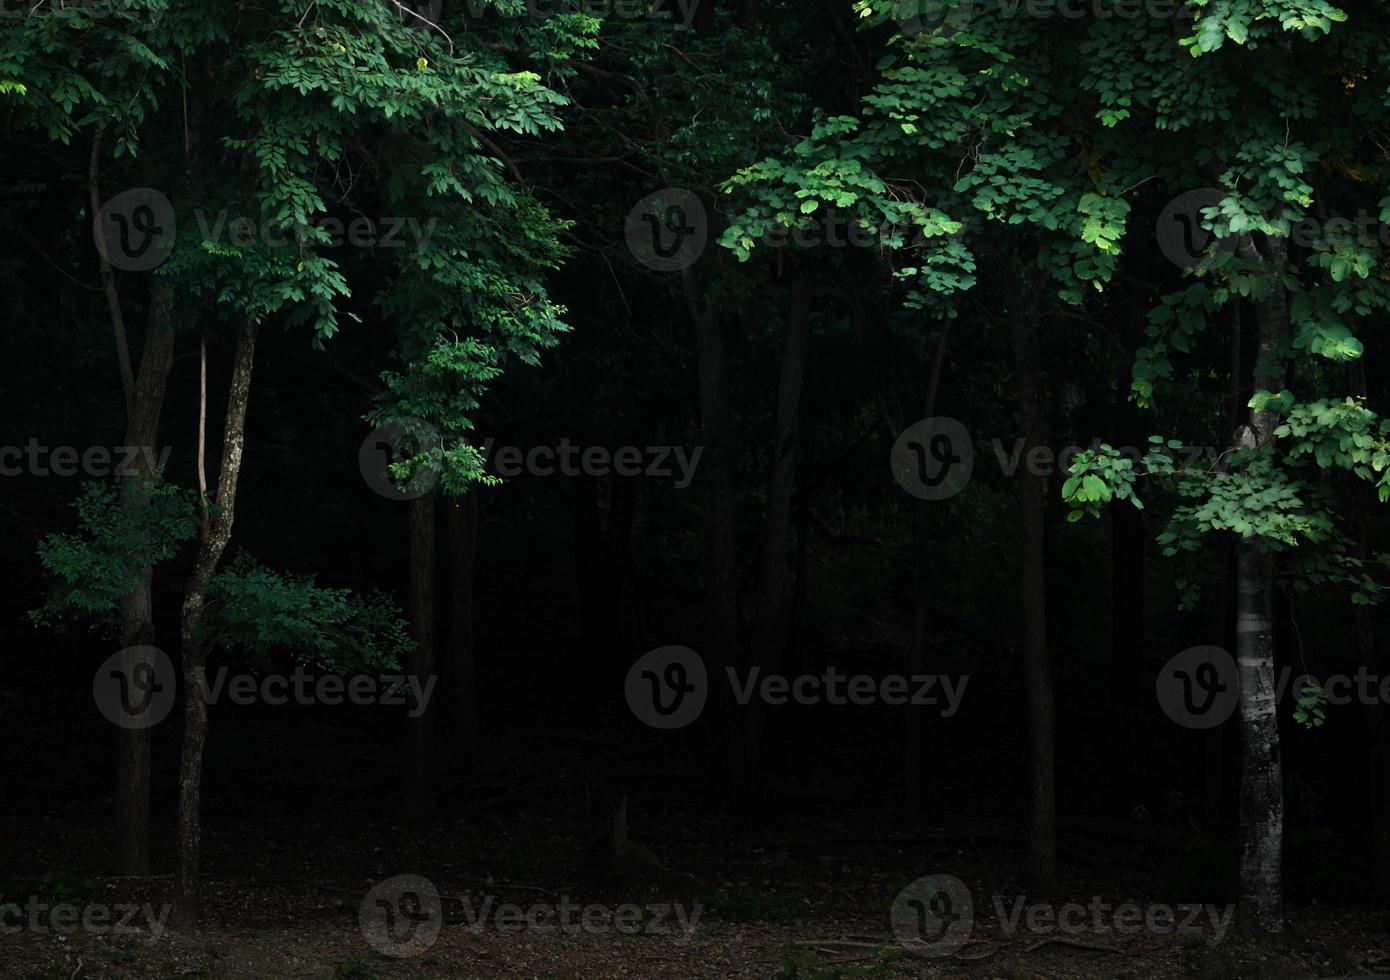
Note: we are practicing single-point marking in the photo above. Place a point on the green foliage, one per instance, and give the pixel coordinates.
(739, 903)
(92, 569)
(265, 613)
(355, 968)
(802, 965)
(251, 608)
(1309, 709)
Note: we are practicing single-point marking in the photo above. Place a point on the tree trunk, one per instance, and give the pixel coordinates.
(721, 555)
(921, 591)
(1127, 538)
(1261, 784)
(134, 764)
(796, 617)
(1373, 659)
(419, 769)
(143, 400)
(463, 550)
(1024, 316)
(1214, 739)
(216, 532)
(770, 624)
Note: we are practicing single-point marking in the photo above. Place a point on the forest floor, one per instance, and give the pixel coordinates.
(301, 822)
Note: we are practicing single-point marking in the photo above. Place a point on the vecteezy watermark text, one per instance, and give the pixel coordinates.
(667, 11)
(669, 687)
(935, 916)
(135, 688)
(327, 231)
(1200, 688)
(403, 916)
(37, 459)
(411, 438)
(304, 689)
(96, 918)
(570, 459)
(935, 458)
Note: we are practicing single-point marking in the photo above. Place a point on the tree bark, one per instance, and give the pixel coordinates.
(1214, 739)
(1261, 784)
(212, 542)
(133, 767)
(463, 550)
(419, 769)
(1127, 536)
(1024, 316)
(721, 554)
(1373, 659)
(144, 400)
(770, 624)
(921, 590)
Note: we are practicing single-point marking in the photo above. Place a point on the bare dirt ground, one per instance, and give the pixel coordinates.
(301, 822)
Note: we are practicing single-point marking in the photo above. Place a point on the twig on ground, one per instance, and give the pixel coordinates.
(1074, 944)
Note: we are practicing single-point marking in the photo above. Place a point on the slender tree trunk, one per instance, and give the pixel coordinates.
(921, 592)
(143, 400)
(721, 555)
(770, 624)
(1214, 740)
(617, 554)
(586, 527)
(1261, 785)
(1127, 538)
(419, 770)
(134, 763)
(463, 550)
(1024, 317)
(796, 616)
(1374, 660)
(216, 532)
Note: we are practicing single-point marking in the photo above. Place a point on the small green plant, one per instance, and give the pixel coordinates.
(355, 968)
(1308, 712)
(63, 888)
(1204, 867)
(742, 904)
(802, 965)
(1205, 963)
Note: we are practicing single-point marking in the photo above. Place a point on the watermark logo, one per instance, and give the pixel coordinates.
(572, 460)
(134, 688)
(95, 918)
(1181, 237)
(396, 441)
(304, 689)
(666, 11)
(668, 231)
(569, 919)
(933, 916)
(419, 15)
(668, 687)
(386, 232)
(37, 459)
(934, 458)
(147, 14)
(1199, 688)
(401, 916)
(134, 231)
(918, 17)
